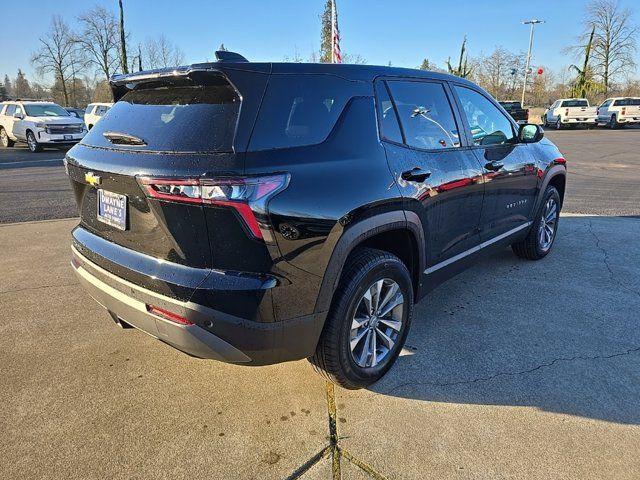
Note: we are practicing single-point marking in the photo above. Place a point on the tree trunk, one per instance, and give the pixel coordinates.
(123, 45)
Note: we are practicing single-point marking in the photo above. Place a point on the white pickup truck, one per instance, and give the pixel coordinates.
(619, 111)
(38, 124)
(570, 111)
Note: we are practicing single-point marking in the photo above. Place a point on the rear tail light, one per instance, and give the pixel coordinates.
(566, 112)
(598, 111)
(167, 315)
(624, 110)
(247, 195)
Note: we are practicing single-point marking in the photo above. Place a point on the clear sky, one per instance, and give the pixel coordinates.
(400, 31)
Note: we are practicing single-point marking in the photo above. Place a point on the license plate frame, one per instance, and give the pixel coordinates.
(68, 137)
(112, 209)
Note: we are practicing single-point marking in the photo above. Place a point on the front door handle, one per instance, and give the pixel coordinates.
(416, 175)
(494, 166)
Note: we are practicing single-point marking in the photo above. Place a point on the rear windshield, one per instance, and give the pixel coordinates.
(627, 102)
(510, 104)
(299, 110)
(188, 118)
(575, 103)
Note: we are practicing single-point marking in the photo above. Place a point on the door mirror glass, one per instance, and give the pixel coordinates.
(530, 133)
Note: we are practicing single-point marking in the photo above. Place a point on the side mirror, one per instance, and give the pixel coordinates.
(19, 116)
(530, 133)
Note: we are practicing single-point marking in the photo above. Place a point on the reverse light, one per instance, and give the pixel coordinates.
(167, 315)
(248, 196)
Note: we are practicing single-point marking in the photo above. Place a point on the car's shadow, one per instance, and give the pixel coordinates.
(560, 334)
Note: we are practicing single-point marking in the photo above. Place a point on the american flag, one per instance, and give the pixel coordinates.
(336, 55)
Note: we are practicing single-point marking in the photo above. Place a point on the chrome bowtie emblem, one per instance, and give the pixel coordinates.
(92, 179)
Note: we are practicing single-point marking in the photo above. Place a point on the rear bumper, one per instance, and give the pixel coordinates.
(235, 340)
(579, 121)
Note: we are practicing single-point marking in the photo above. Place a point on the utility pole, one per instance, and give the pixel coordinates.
(533, 23)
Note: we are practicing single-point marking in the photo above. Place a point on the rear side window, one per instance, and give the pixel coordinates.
(425, 114)
(189, 118)
(299, 110)
(389, 127)
(627, 102)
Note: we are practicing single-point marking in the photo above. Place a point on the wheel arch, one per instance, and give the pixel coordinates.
(398, 232)
(557, 177)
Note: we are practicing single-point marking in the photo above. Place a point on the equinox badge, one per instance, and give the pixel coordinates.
(92, 179)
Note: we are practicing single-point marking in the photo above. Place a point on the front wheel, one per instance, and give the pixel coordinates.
(33, 144)
(545, 123)
(537, 244)
(368, 321)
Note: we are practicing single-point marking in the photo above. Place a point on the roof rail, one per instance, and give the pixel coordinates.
(227, 56)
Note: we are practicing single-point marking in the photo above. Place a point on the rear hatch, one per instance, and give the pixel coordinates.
(630, 107)
(172, 125)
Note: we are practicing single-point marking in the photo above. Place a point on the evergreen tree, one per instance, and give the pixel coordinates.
(3, 93)
(123, 42)
(7, 86)
(326, 42)
(22, 88)
(425, 65)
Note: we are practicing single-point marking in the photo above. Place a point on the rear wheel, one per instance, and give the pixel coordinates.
(539, 241)
(559, 123)
(4, 139)
(33, 144)
(613, 122)
(368, 321)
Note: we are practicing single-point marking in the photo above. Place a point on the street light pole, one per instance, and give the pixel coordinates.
(533, 23)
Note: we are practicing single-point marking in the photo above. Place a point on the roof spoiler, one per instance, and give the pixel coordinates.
(227, 56)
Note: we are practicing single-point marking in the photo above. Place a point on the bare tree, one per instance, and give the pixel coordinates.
(160, 52)
(100, 40)
(614, 41)
(56, 54)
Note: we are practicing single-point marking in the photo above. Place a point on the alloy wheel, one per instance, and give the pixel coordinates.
(31, 141)
(377, 323)
(548, 224)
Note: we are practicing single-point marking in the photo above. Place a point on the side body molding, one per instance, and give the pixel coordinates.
(356, 234)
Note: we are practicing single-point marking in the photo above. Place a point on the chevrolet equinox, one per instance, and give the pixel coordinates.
(257, 213)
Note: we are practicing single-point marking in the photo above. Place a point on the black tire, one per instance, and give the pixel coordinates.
(334, 358)
(559, 123)
(544, 121)
(5, 140)
(613, 122)
(32, 143)
(533, 247)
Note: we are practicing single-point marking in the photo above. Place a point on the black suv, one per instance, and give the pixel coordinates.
(257, 213)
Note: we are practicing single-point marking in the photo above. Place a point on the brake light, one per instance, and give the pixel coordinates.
(560, 161)
(566, 111)
(624, 110)
(167, 315)
(246, 195)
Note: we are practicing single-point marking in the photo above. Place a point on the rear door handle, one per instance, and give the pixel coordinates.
(494, 166)
(416, 175)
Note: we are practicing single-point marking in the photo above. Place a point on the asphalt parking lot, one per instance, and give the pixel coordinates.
(513, 369)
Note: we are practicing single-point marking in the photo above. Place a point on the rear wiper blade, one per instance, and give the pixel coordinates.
(119, 138)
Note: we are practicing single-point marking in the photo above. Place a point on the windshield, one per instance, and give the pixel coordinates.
(510, 104)
(627, 102)
(575, 103)
(48, 110)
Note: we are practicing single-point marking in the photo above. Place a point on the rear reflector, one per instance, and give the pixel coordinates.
(247, 195)
(167, 315)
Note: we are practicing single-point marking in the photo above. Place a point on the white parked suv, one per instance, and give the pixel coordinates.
(94, 112)
(38, 124)
(619, 111)
(570, 111)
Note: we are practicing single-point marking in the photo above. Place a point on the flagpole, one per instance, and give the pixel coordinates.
(333, 29)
